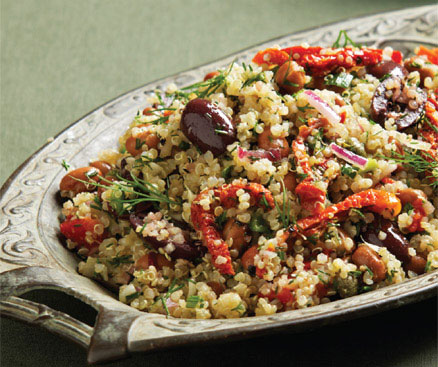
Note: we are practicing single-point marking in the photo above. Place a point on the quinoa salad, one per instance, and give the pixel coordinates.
(306, 176)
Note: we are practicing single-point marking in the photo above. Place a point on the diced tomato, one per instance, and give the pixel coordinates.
(307, 265)
(431, 54)
(284, 295)
(387, 180)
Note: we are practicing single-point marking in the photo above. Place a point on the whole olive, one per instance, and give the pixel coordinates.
(187, 250)
(207, 126)
(388, 67)
(392, 238)
(391, 100)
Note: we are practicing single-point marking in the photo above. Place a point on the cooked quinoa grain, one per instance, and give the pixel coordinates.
(301, 178)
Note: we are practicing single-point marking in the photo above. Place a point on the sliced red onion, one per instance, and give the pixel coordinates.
(322, 107)
(170, 304)
(273, 154)
(353, 158)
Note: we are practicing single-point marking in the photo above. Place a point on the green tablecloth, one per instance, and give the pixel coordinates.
(60, 59)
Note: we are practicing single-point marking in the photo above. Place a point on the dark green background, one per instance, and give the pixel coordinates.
(60, 59)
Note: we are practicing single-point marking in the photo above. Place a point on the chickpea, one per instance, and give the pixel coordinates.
(103, 166)
(248, 257)
(416, 264)
(211, 75)
(157, 260)
(290, 182)
(365, 255)
(235, 232)
(70, 183)
(134, 145)
(161, 261)
(217, 287)
(267, 141)
(409, 195)
(290, 77)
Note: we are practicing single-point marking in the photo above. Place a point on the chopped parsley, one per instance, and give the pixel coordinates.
(65, 165)
(342, 80)
(132, 296)
(220, 220)
(348, 170)
(258, 224)
(408, 208)
(427, 267)
(184, 145)
(226, 172)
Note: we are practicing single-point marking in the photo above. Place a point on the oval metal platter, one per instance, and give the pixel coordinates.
(33, 257)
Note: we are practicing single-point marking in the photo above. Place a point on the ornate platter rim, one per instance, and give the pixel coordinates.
(26, 262)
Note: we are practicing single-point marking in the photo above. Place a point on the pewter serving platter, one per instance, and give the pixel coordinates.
(32, 256)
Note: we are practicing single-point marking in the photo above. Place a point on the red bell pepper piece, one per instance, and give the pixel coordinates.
(321, 61)
(431, 54)
(76, 229)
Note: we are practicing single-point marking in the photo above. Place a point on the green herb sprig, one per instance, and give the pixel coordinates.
(419, 161)
(347, 40)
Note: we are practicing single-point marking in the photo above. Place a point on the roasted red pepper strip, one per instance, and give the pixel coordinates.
(76, 230)
(311, 197)
(321, 61)
(430, 130)
(204, 220)
(271, 56)
(377, 201)
(431, 54)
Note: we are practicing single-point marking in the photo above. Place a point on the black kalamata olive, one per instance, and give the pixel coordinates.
(389, 68)
(187, 250)
(207, 126)
(395, 242)
(390, 100)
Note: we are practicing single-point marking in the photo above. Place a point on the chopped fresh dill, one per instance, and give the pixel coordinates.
(205, 88)
(255, 78)
(221, 219)
(284, 211)
(123, 259)
(133, 192)
(172, 289)
(192, 301)
(419, 161)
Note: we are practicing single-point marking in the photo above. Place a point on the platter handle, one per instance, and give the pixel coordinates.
(106, 341)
